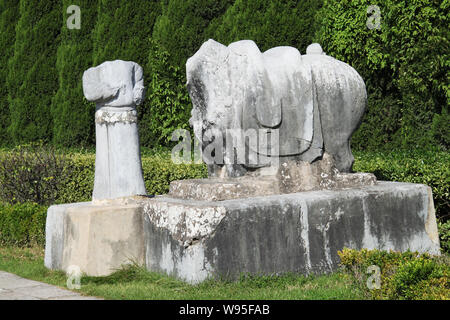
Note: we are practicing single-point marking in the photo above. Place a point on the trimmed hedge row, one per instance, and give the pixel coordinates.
(430, 168)
(9, 14)
(407, 275)
(32, 77)
(426, 167)
(22, 224)
(158, 171)
(76, 185)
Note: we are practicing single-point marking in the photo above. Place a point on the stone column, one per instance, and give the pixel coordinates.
(117, 88)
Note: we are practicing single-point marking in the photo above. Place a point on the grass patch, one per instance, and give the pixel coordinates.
(29, 263)
(136, 283)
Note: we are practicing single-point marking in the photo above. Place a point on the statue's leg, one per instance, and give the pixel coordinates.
(342, 155)
(213, 170)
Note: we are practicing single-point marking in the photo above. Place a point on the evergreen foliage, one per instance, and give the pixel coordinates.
(32, 78)
(168, 99)
(123, 29)
(69, 108)
(178, 34)
(268, 23)
(9, 13)
(182, 27)
(404, 63)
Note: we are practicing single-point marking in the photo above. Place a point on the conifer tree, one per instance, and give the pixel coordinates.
(9, 13)
(73, 123)
(268, 23)
(32, 79)
(123, 30)
(178, 33)
(181, 29)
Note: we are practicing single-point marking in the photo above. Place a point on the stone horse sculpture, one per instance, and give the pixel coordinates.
(315, 101)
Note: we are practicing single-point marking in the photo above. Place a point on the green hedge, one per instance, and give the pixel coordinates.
(426, 167)
(417, 167)
(268, 23)
(22, 224)
(158, 171)
(79, 183)
(430, 168)
(407, 275)
(404, 64)
(69, 108)
(182, 27)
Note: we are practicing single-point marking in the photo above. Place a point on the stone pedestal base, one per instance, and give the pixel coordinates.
(98, 238)
(194, 240)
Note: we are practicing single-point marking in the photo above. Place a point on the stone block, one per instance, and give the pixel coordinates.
(54, 233)
(300, 232)
(289, 177)
(98, 238)
(195, 239)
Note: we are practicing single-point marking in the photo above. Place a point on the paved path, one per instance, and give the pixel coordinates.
(13, 287)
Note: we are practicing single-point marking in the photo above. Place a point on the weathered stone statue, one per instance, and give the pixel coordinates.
(117, 87)
(315, 101)
(303, 110)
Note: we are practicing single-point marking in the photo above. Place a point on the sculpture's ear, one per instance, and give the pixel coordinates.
(95, 88)
(138, 81)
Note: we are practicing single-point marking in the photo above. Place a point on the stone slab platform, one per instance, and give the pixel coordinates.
(195, 240)
(218, 189)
